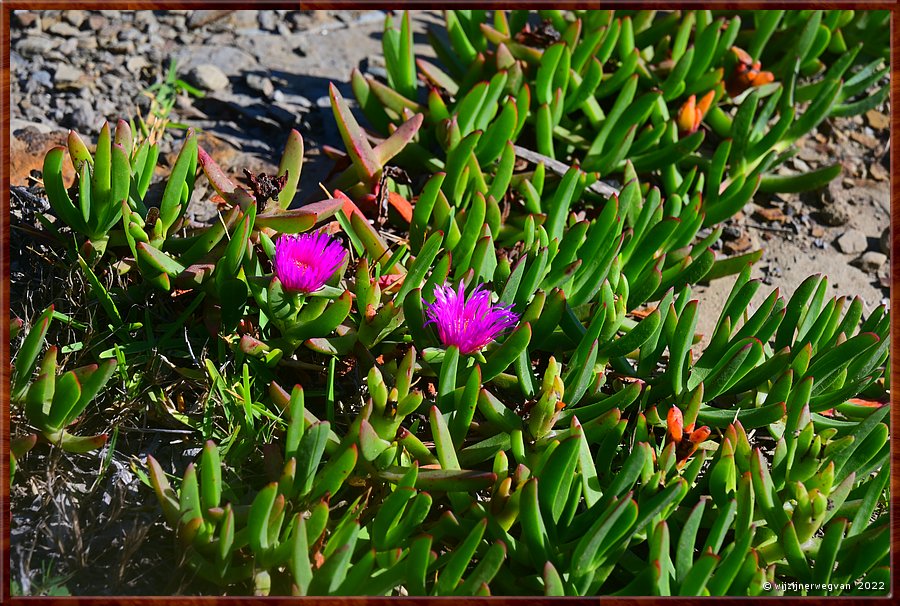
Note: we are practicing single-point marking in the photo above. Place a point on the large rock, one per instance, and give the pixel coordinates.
(851, 242)
(28, 142)
(870, 262)
(208, 77)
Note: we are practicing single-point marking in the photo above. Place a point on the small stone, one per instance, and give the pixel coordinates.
(878, 120)
(75, 18)
(742, 244)
(26, 19)
(136, 64)
(864, 139)
(81, 117)
(885, 241)
(851, 242)
(323, 102)
(884, 276)
(879, 172)
(66, 75)
(66, 30)
(201, 18)
(261, 84)
(870, 262)
(35, 45)
(817, 232)
(87, 43)
(208, 77)
(267, 20)
(96, 22)
(278, 96)
(772, 215)
(43, 78)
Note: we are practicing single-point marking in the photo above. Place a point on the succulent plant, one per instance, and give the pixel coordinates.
(52, 402)
(491, 327)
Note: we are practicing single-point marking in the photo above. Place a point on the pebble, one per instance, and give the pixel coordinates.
(75, 17)
(260, 83)
(879, 172)
(63, 29)
(81, 117)
(66, 75)
(96, 22)
(43, 78)
(835, 213)
(25, 19)
(870, 262)
(208, 77)
(878, 120)
(201, 18)
(851, 242)
(136, 64)
(267, 20)
(885, 241)
(35, 45)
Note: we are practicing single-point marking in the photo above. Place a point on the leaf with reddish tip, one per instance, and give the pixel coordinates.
(349, 207)
(437, 76)
(354, 137)
(81, 444)
(79, 151)
(19, 446)
(123, 136)
(26, 357)
(401, 205)
(65, 397)
(158, 260)
(450, 480)
(391, 99)
(102, 168)
(300, 219)
(292, 164)
(171, 207)
(230, 192)
(394, 144)
(57, 194)
(94, 378)
(194, 275)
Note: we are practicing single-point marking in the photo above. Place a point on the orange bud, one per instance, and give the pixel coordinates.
(688, 121)
(705, 103)
(763, 78)
(675, 423)
(746, 73)
(699, 435)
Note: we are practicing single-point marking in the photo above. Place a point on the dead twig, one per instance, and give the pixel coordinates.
(560, 168)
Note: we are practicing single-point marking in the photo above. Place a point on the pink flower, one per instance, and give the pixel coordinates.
(468, 324)
(304, 263)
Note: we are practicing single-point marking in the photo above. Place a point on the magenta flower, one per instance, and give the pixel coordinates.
(468, 324)
(304, 263)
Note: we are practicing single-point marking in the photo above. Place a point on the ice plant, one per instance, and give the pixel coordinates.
(303, 263)
(471, 323)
